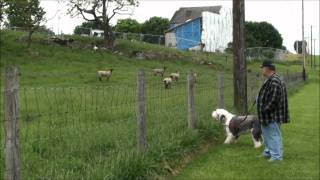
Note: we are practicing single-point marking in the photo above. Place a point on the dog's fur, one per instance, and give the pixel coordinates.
(235, 126)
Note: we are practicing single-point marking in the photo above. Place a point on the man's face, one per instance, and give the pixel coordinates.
(265, 71)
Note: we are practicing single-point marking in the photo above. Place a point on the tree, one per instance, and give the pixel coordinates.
(128, 25)
(26, 14)
(101, 12)
(283, 48)
(155, 25)
(262, 34)
(229, 48)
(3, 6)
(85, 27)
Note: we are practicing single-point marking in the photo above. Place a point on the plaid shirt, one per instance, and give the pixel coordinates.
(272, 102)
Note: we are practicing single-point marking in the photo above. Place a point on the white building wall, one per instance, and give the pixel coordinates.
(170, 39)
(216, 30)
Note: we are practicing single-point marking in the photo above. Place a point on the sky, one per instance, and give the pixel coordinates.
(284, 15)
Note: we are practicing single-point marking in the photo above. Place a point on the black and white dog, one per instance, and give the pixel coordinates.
(238, 125)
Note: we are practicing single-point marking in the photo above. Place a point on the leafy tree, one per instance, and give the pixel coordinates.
(3, 6)
(155, 25)
(283, 48)
(26, 14)
(85, 27)
(101, 12)
(229, 48)
(262, 34)
(128, 25)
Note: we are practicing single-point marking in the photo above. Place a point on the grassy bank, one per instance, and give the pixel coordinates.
(301, 147)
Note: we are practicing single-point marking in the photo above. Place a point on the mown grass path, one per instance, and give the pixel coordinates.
(301, 147)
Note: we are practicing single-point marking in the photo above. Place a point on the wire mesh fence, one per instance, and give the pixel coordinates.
(262, 53)
(73, 132)
(84, 126)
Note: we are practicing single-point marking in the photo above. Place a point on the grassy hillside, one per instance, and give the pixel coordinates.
(79, 65)
(73, 126)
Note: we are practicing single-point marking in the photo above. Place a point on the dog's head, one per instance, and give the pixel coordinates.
(220, 115)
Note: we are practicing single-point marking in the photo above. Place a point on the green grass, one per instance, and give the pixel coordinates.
(301, 147)
(73, 126)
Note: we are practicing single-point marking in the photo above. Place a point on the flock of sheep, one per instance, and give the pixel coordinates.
(167, 81)
(173, 77)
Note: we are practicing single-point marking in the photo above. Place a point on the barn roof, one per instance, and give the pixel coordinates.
(186, 13)
(182, 24)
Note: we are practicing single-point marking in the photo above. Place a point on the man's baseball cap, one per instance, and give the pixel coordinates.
(268, 63)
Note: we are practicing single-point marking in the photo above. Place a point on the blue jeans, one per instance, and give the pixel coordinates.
(273, 141)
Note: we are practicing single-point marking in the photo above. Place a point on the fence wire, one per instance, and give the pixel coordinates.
(70, 132)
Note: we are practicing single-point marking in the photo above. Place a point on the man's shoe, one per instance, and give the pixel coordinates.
(274, 160)
(264, 156)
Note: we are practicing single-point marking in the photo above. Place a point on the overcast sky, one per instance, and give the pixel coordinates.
(285, 15)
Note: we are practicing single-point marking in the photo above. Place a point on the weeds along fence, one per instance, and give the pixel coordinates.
(97, 132)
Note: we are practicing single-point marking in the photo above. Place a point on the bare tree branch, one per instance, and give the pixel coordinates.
(102, 11)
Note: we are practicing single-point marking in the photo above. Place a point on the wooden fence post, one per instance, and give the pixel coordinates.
(221, 91)
(12, 116)
(191, 101)
(142, 114)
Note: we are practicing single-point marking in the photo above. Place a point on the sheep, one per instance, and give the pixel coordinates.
(159, 71)
(175, 76)
(107, 74)
(167, 82)
(95, 48)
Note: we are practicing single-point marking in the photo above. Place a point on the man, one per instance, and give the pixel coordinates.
(272, 108)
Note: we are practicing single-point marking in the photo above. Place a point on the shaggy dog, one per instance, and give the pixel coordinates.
(237, 125)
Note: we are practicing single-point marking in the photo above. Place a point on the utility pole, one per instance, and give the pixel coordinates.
(303, 45)
(239, 60)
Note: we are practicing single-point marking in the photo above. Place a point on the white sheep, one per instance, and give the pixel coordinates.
(175, 76)
(167, 82)
(159, 71)
(95, 48)
(107, 74)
